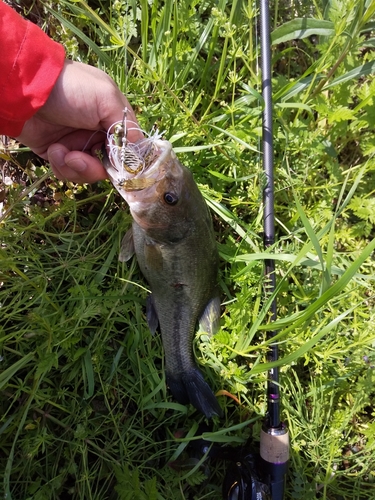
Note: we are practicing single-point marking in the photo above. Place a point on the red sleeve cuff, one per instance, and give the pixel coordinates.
(31, 64)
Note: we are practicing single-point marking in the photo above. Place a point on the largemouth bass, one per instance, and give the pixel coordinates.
(173, 238)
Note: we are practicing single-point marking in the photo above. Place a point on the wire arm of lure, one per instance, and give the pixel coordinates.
(128, 157)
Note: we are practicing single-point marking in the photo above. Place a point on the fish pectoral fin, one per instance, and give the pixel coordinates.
(153, 256)
(151, 314)
(209, 322)
(127, 247)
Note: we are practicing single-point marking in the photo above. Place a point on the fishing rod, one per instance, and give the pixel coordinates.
(261, 476)
(274, 438)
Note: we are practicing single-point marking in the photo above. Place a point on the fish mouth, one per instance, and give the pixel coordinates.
(137, 166)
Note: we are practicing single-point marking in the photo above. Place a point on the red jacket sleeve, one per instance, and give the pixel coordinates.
(30, 65)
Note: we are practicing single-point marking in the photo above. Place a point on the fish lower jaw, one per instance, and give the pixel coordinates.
(142, 222)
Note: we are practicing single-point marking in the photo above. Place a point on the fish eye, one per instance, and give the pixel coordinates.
(170, 198)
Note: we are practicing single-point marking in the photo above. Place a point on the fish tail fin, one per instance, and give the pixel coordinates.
(190, 387)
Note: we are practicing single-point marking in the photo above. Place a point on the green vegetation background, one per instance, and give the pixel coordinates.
(85, 413)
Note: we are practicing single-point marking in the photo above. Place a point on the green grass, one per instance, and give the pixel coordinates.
(85, 413)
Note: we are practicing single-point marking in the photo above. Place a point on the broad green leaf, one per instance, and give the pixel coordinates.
(368, 27)
(166, 406)
(301, 28)
(369, 43)
(365, 69)
(295, 88)
(368, 14)
(253, 92)
(296, 105)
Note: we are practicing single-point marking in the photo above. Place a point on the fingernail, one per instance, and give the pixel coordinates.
(77, 164)
(57, 157)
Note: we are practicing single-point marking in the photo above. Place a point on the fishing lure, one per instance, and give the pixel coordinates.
(129, 160)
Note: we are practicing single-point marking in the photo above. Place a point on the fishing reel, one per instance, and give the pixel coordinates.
(260, 476)
(252, 474)
(243, 481)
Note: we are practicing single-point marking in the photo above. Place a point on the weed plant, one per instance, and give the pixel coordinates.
(85, 412)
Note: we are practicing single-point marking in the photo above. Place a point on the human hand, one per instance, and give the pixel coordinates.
(83, 100)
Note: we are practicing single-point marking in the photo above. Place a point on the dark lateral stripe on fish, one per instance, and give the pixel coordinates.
(190, 387)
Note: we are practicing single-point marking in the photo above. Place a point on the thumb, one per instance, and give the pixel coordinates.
(75, 166)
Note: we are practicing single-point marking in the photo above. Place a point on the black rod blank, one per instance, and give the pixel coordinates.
(273, 392)
(274, 438)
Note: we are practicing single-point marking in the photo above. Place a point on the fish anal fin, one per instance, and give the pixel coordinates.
(209, 322)
(127, 247)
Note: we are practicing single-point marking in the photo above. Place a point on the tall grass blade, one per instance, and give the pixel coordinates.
(10, 372)
(103, 57)
(334, 291)
(291, 358)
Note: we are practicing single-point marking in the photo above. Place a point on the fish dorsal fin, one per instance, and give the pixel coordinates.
(209, 322)
(127, 247)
